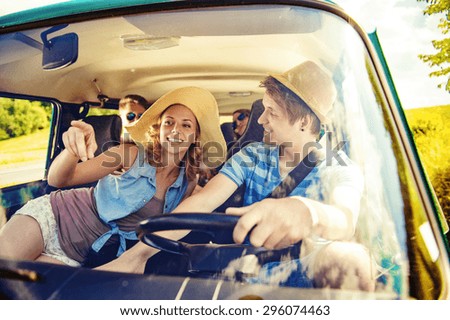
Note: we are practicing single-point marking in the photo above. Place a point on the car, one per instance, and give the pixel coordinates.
(74, 60)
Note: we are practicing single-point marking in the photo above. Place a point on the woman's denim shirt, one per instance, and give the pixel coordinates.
(117, 196)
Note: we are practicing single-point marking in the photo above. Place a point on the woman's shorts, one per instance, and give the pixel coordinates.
(41, 210)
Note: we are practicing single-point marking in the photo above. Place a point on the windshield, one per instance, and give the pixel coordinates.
(229, 51)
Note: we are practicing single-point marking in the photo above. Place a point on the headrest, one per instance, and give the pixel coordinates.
(107, 129)
(254, 131)
(228, 133)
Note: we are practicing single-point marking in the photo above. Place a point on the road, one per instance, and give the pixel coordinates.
(22, 173)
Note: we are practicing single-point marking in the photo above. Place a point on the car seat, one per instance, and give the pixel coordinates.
(228, 133)
(107, 128)
(253, 133)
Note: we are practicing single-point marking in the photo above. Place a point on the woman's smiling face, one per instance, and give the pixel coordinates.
(178, 129)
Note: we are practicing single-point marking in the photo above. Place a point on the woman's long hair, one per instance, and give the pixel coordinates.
(191, 160)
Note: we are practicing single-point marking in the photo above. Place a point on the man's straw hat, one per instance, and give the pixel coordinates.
(311, 84)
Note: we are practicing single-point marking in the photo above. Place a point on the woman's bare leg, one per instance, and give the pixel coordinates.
(44, 258)
(21, 238)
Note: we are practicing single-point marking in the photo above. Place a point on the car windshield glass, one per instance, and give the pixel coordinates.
(229, 51)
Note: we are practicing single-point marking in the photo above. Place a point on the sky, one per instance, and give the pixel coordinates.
(404, 33)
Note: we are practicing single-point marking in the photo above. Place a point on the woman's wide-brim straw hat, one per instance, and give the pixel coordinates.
(202, 104)
(313, 85)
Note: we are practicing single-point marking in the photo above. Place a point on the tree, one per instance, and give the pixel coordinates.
(442, 57)
(21, 117)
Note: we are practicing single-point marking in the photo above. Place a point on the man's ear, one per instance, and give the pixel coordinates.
(305, 123)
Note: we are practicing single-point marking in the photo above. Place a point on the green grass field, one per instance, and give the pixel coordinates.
(28, 148)
(431, 132)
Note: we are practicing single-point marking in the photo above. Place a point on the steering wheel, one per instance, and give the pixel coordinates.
(210, 257)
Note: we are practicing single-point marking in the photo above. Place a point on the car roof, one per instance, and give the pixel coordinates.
(68, 8)
(77, 7)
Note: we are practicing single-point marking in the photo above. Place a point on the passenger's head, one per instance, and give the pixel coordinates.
(131, 108)
(304, 92)
(240, 120)
(184, 121)
(176, 131)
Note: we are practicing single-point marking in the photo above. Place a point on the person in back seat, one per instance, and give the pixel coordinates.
(240, 120)
(160, 171)
(131, 108)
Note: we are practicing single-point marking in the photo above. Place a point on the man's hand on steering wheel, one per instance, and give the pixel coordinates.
(272, 223)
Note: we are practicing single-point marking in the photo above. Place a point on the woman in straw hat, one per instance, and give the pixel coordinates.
(158, 172)
(323, 206)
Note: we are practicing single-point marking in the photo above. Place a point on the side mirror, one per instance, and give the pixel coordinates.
(60, 51)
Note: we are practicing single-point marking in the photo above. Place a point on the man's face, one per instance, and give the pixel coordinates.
(241, 120)
(274, 119)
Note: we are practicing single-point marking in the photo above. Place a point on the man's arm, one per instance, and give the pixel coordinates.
(276, 223)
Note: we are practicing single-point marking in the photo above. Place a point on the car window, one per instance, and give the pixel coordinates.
(24, 140)
(101, 112)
